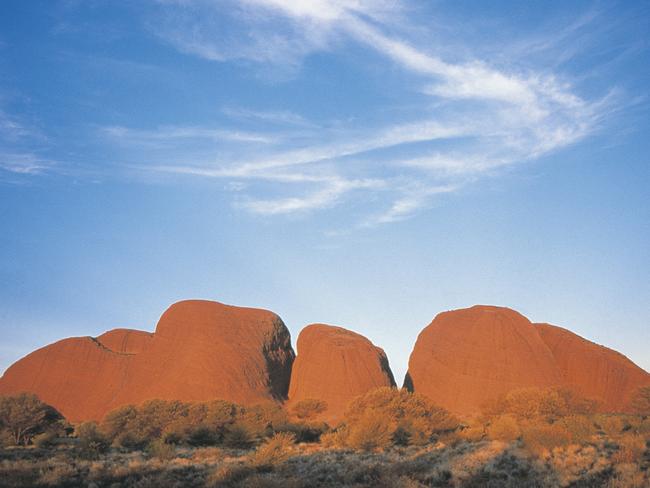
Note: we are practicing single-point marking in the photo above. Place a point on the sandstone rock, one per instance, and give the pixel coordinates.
(592, 370)
(469, 356)
(78, 376)
(336, 365)
(200, 351)
(126, 341)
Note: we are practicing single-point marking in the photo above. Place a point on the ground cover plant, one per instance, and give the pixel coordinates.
(387, 438)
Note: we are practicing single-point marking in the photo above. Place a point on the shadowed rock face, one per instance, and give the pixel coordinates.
(201, 350)
(592, 370)
(336, 365)
(466, 357)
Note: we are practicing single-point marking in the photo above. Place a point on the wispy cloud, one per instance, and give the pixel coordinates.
(15, 155)
(175, 133)
(276, 117)
(23, 163)
(484, 116)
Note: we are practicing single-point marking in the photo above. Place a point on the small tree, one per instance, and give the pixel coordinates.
(25, 416)
(641, 402)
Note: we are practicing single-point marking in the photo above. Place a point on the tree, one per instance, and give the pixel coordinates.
(641, 401)
(25, 416)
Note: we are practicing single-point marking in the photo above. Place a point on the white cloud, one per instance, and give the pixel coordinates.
(325, 197)
(503, 115)
(23, 163)
(281, 117)
(172, 133)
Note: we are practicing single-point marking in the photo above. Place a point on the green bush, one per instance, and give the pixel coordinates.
(92, 441)
(238, 437)
(306, 432)
(24, 416)
(46, 439)
(202, 435)
(161, 450)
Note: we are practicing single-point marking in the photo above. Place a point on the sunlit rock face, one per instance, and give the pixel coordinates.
(336, 365)
(201, 350)
(468, 357)
(592, 370)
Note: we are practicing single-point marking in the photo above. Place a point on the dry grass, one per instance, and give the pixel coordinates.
(280, 463)
(274, 451)
(503, 450)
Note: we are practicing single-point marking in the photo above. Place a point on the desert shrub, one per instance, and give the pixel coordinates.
(335, 439)
(264, 419)
(417, 418)
(472, 433)
(229, 475)
(202, 435)
(504, 428)
(611, 425)
(306, 432)
(238, 437)
(535, 403)
(580, 427)
(631, 448)
(175, 422)
(401, 436)
(541, 437)
(92, 441)
(370, 432)
(46, 439)
(208, 454)
(644, 427)
(161, 450)
(6, 439)
(308, 408)
(640, 403)
(547, 404)
(117, 422)
(273, 451)
(577, 404)
(57, 474)
(23, 416)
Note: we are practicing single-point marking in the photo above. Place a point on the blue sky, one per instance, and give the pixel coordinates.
(361, 163)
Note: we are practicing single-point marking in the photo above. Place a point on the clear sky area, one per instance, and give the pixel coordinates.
(362, 163)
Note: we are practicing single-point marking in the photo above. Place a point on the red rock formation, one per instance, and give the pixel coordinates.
(201, 350)
(126, 341)
(466, 357)
(336, 365)
(592, 370)
(78, 376)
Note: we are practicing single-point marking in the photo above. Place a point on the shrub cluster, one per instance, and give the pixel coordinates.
(386, 416)
(24, 417)
(213, 423)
